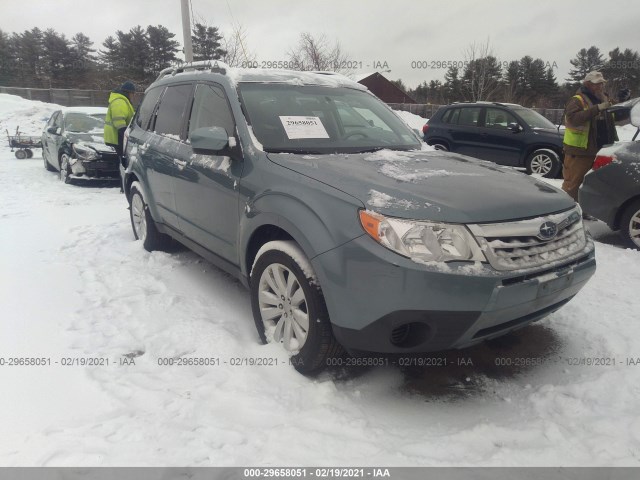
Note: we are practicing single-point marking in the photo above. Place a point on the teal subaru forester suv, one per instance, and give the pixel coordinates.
(350, 233)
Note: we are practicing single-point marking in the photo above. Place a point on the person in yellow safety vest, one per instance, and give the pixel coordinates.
(119, 114)
(588, 128)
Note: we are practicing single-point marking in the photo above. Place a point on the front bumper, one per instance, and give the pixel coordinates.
(381, 302)
(107, 166)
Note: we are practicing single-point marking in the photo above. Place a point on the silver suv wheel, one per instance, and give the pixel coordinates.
(283, 307)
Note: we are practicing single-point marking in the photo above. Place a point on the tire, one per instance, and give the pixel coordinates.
(47, 165)
(29, 153)
(630, 225)
(65, 168)
(143, 225)
(439, 146)
(20, 154)
(282, 278)
(544, 162)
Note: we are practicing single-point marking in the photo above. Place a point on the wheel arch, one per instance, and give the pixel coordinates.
(279, 216)
(537, 146)
(441, 140)
(620, 212)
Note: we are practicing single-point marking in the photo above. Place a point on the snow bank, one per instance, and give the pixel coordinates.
(180, 388)
(30, 116)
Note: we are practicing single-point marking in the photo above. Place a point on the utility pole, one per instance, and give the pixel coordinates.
(186, 31)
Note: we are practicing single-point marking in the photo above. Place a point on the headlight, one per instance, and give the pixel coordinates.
(421, 240)
(84, 153)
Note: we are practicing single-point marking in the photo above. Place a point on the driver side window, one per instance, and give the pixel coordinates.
(211, 109)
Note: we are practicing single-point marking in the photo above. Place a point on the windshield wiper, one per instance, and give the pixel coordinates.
(292, 150)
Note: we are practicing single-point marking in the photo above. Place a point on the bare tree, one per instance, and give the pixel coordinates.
(315, 53)
(482, 72)
(235, 43)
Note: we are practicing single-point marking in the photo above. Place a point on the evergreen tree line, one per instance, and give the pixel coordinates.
(48, 59)
(528, 81)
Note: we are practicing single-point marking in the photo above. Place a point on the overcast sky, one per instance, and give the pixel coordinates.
(373, 32)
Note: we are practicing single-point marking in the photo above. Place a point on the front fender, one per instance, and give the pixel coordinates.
(318, 221)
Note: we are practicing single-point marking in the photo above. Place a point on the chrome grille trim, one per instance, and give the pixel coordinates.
(516, 245)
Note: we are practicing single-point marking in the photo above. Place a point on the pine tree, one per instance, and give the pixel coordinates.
(585, 61)
(206, 43)
(82, 60)
(453, 85)
(622, 70)
(6, 60)
(110, 55)
(162, 48)
(56, 58)
(27, 53)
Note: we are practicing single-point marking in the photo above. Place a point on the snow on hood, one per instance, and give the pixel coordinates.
(431, 185)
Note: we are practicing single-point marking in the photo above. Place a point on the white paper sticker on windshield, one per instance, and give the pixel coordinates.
(303, 127)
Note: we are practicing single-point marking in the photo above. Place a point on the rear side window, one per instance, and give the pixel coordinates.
(147, 107)
(211, 109)
(451, 116)
(170, 116)
(469, 117)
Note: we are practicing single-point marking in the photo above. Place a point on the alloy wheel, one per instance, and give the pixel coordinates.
(283, 307)
(634, 228)
(139, 217)
(541, 164)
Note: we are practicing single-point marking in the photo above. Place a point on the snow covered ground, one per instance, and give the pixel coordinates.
(74, 285)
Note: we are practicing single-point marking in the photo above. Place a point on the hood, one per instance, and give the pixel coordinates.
(92, 140)
(550, 132)
(431, 185)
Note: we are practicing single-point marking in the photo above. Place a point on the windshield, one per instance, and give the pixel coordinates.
(83, 123)
(317, 119)
(533, 118)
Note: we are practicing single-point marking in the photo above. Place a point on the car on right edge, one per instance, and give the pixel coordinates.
(611, 190)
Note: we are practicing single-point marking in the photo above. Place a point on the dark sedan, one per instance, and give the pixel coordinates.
(504, 133)
(611, 190)
(72, 144)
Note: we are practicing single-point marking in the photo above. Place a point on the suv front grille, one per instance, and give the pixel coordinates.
(531, 243)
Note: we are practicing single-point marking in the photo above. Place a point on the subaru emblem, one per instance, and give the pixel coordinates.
(548, 230)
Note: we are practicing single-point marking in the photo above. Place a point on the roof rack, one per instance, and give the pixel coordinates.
(211, 65)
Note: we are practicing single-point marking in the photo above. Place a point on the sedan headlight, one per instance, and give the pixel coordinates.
(85, 153)
(422, 240)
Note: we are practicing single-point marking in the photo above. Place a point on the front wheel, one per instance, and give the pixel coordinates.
(47, 165)
(65, 168)
(440, 146)
(630, 225)
(544, 162)
(289, 307)
(144, 228)
(21, 154)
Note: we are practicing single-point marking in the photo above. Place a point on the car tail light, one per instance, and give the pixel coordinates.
(425, 128)
(602, 160)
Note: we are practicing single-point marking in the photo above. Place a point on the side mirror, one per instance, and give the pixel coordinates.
(209, 140)
(53, 130)
(514, 127)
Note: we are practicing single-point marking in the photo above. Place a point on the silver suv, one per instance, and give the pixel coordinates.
(349, 232)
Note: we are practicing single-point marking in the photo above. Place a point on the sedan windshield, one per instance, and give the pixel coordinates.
(533, 118)
(83, 123)
(318, 119)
